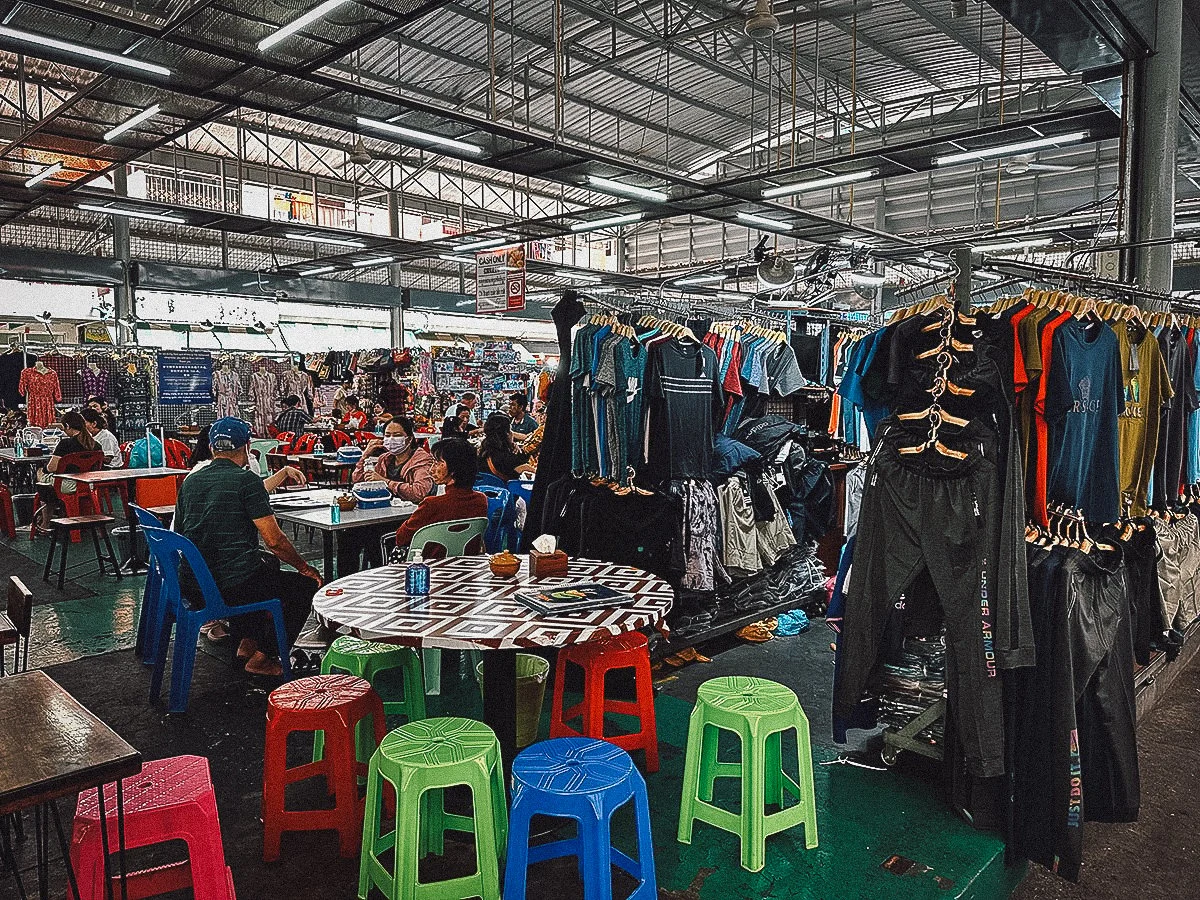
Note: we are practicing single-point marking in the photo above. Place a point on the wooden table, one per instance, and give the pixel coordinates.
(52, 747)
(469, 608)
(311, 509)
(129, 478)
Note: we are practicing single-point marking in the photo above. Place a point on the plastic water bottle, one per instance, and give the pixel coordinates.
(19, 446)
(416, 579)
(319, 449)
(335, 513)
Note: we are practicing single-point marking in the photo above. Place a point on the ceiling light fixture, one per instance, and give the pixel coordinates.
(1010, 149)
(577, 276)
(988, 276)
(734, 295)
(1013, 245)
(764, 222)
(133, 122)
(421, 137)
(607, 223)
(816, 184)
(1187, 226)
(450, 257)
(868, 279)
(132, 213)
(610, 186)
(374, 261)
(702, 279)
(320, 271)
(286, 31)
(856, 243)
(490, 244)
(53, 169)
(116, 59)
(322, 239)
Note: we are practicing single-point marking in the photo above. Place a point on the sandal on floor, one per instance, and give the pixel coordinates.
(261, 664)
(215, 631)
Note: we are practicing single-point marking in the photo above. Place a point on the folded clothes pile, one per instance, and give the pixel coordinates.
(914, 683)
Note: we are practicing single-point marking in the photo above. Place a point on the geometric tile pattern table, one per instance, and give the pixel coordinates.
(469, 608)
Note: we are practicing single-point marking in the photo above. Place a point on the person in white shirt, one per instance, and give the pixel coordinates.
(97, 428)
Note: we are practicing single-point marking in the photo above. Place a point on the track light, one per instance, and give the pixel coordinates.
(286, 31)
(1013, 245)
(420, 137)
(763, 222)
(816, 184)
(610, 186)
(133, 122)
(15, 35)
(1010, 149)
(606, 223)
(53, 169)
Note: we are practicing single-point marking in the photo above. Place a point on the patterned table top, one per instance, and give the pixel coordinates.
(469, 608)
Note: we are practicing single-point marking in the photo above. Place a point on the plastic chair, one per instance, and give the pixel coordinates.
(487, 479)
(168, 549)
(365, 437)
(758, 712)
(502, 517)
(597, 659)
(150, 620)
(8, 522)
(588, 781)
(339, 439)
(420, 760)
(519, 487)
(86, 461)
(170, 799)
(283, 439)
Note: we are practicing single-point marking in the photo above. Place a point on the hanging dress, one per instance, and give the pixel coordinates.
(41, 391)
(264, 389)
(227, 387)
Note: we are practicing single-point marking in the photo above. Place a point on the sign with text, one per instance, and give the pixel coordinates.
(184, 378)
(500, 280)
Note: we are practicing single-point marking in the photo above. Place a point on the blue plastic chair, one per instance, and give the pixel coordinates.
(519, 487)
(586, 780)
(487, 479)
(502, 517)
(168, 550)
(150, 621)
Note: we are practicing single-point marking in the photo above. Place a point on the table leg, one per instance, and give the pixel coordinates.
(132, 565)
(41, 852)
(10, 859)
(66, 853)
(329, 540)
(104, 848)
(500, 701)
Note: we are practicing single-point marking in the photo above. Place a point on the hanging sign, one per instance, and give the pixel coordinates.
(500, 280)
(184, 378)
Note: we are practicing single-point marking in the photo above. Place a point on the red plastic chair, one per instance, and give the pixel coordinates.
(86, 461)
(365, 437)
(597, 659)
(285, 438)
(171, 799)
(333, 704)
(339, 438)
(8, 520)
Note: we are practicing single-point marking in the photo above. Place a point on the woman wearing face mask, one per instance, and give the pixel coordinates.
(405, 468)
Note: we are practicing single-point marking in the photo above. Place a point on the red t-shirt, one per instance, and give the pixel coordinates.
(456, 503)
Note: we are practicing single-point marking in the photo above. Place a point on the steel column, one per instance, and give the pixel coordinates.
(123, 295)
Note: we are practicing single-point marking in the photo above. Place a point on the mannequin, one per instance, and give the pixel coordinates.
(227, 388)
(297, 381)
(40, 387)
(264, 391)
(95, 380)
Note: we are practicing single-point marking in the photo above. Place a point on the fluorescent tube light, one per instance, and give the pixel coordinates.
(133, 122)
(610, 186)
(449, 257)
(116, 59)
(286, 31)
(605, 223)
(374, 261)
(1187, 226)
(872, 279)
(1013, 245)
(988, 276)
(490, 244)
(53, 169)
(763, 222)
(734, 295)
(132, 213)
(322, 239)
(854, 242)
(424, 137)
(577, 276)
(816, 184)
(703, 279)
(320, 271)
(1010, 149)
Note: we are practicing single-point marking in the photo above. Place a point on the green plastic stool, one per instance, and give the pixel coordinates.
(758, 712)
(366, 659)
(420, 760)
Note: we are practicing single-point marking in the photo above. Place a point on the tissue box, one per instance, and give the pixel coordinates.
(545, 565)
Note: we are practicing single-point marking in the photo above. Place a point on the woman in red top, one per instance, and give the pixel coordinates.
(355, 419)
(453, 466)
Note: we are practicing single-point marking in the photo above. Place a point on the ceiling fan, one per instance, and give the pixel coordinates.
(1020, 165)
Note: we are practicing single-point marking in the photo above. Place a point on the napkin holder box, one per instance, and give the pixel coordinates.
(547, 565)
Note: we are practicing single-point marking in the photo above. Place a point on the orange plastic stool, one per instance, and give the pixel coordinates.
(334, 704)
(171, 799)
(597, 658)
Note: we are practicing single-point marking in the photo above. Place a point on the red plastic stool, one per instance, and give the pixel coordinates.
(597, 658)
(171, 799)
(334, 704)
(8, 522)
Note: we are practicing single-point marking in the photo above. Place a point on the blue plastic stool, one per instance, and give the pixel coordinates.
(586, 780)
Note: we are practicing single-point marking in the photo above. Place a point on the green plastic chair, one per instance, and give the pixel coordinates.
(758, 712)
(263, 446)
(455, 535)
(420, 760)
(367, 659)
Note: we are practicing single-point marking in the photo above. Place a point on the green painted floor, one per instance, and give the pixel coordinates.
(864, 817)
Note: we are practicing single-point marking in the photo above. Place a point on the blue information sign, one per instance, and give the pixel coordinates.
(184, 378)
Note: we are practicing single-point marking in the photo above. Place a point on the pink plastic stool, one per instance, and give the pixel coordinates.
(171, 799)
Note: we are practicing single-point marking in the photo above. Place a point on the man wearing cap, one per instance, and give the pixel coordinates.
(223, 509)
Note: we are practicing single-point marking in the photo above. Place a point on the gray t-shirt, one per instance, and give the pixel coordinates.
(783, 372)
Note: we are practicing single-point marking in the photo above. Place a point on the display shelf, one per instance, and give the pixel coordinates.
(666, 648)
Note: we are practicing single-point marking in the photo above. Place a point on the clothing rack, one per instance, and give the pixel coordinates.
(1071, 278)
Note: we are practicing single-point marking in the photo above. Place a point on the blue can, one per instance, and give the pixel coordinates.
(416, 578)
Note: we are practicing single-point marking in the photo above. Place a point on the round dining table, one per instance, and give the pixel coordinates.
(469, 608)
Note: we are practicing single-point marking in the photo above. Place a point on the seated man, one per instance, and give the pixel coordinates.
(398, 462)
(454, 467)
(293, 418)
(523, 424)
(223, 509)
(97, 427)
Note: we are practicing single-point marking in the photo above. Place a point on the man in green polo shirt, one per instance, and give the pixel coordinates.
(223, 509)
